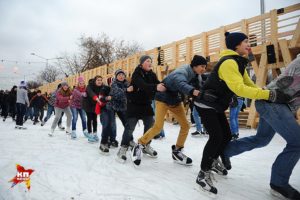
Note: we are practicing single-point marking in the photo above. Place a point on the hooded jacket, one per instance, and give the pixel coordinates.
(229, 77)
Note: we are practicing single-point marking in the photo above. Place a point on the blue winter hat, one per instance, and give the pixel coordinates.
(234, 39)
(23, 84)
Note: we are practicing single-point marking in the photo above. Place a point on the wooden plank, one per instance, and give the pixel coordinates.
(260, 81)
(286, 54)
(204, 44)
(188, 55)
(296, 36)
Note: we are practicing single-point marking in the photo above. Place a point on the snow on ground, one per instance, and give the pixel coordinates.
(74, 169)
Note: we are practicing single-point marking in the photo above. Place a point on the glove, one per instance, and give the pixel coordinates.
(207, 95)
(276, 96)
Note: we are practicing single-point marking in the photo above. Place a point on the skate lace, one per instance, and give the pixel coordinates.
(149, 149)
(123, 150)
(219, 165)
(209, 177)
(138, 151)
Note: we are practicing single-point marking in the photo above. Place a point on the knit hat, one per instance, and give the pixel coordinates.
(234, 39)
(198, 60)
(23, 84)
(144, 58)
(64, 83)
(118, 71)
(80, 79)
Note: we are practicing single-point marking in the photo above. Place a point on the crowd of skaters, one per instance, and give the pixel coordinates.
(146, 98)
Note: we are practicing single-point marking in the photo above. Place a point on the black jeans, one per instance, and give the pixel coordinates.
(21, 109)
(127, 135)
(91, 120)
(38, 114)
(219, 135)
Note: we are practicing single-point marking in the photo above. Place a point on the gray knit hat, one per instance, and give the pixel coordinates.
(64, 83)
(144, 58)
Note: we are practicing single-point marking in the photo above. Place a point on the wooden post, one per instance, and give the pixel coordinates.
(188, 55)
(296, 36)
(204, 44)
(175, 55)
(222, 38)
(261, 78)
(286, 54)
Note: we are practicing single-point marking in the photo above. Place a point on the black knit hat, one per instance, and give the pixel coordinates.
(144, 58)
(198, 60)
(118, 71)
(234, 39)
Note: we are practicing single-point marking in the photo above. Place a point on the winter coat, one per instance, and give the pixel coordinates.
(289, 83)
(139, 101)
(229, 77)
(62, 98)
(94, 92)
(77, 96)
(118, 94)
(38, 101)
(12, 97)
(177, 82)
(22, 96)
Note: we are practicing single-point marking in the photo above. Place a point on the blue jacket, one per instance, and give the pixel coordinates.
(177, 83)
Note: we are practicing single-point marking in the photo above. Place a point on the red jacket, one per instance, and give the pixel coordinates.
(62, 99)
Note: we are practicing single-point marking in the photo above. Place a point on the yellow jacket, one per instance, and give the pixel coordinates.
(242, 86)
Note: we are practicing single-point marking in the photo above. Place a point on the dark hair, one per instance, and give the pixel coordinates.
(39, 91)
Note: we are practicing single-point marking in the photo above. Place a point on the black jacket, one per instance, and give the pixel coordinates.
(139, 101)
(88, 102)
(216, 93)
(38, 101)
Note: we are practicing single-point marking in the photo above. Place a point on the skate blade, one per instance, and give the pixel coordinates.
(134, 165)
(103, 153)
(148, 155)
(181, 163)
(120, 160)
(206, 192)
(277, 194)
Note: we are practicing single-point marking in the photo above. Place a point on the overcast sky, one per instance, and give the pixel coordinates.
(50, 28)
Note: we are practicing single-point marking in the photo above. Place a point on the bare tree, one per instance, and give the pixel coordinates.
(33, 84)
(49, 74)
(95, 52)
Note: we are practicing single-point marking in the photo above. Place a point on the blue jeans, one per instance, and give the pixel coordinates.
(29, 113)
(107, 119)
(234, 117)
(273, 118)
(51, 110)
(75, 112)
(197, 119)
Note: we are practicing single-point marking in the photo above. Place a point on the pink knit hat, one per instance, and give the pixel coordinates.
(80, 79)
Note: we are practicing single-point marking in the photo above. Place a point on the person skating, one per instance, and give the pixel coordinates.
(228, 77)
(281, 119)
(21, 103)
(62, 105)
(38, 102)
(171, 100)
(78, 94)
(145, 85)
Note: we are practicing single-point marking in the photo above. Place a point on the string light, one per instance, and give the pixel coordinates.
(21, 62)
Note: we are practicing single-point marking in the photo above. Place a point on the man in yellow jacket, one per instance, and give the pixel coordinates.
(228, 77)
